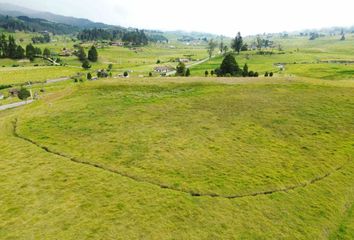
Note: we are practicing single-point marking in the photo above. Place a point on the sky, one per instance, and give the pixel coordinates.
(224, 17)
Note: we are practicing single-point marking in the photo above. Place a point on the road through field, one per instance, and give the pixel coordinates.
(14, 105)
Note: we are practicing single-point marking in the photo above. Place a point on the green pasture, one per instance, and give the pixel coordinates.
(219, 137)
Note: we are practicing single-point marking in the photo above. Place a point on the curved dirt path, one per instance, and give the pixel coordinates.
(165, 186)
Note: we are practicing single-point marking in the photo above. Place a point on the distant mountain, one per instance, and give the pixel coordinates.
(24, 23)
(15, 11)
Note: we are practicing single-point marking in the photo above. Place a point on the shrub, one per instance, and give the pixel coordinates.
(266, 74)
(86, 65)
(181, 69)
(256, 74)
(23, 94)
(125, 74)
(89, 76)
(188, 72)
(150, 74)
(206, 73)
(229, 65)
(271, 74)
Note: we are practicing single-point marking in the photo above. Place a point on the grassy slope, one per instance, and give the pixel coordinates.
(45, 196)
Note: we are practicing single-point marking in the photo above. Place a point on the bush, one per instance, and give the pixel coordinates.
(86, 65)
(212, 73)
(251, 74)
(206, 73)
(256, 74)
(181, 69)
(23, 94)
(158, 61)
(125, 74)
(89, 76)
(150, 74)
(188, 72)
(266, 74)
(271, 74)
(5, 86)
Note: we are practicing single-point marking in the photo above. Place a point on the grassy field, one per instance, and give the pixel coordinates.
(181, 158)
(300, 57)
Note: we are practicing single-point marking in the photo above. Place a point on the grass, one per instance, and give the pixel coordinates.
(302, 58)
(151, 144)
(225, 136)
(18, 75)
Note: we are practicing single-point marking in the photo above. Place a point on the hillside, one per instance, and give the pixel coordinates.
(15, 11)
(24, 23)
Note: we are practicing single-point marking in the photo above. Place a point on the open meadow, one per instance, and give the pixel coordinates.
(177, 158)
(145, 134)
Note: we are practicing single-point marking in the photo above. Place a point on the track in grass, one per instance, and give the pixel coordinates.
(165, 186)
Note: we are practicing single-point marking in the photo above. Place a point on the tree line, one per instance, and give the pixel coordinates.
(9, 49)
(136, 37)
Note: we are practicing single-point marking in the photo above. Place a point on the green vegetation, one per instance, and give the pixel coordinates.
(134, 155)
(325, 58)
(194, 137)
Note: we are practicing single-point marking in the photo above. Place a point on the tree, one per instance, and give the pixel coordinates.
(221, 46)
(245, 70)
(92, 54)
(89, 76)
(188, 72)
(229, 66)
(212, 72)
(23, 94)
(3, 46)
(259, 42)
(110, 67)
(150, 74)
(271, 74)
(181, 69)
(125, 74)
(81, 54)
(266, 74)
(343, 37)
(244, 47)
(211, 47)
(206, 73)
(30, 52)
(86, 65)
(20, 52)
(46, 53)
(38, 51)
(11, 48)
(237, 43)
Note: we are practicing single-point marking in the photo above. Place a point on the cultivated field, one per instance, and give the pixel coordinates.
(180, 158)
